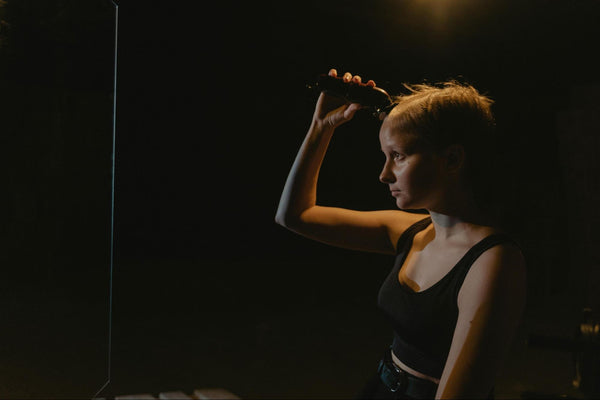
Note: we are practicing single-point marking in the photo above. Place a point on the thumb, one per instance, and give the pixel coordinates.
(343, 114)
(351, 110)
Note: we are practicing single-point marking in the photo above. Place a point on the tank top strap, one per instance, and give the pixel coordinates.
(465, 263)
(407, 236)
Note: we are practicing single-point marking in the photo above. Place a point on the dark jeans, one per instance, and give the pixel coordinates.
(376, 389)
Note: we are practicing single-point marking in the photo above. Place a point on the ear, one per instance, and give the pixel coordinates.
(455, 158)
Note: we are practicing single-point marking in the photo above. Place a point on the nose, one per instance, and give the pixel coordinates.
(386, 176)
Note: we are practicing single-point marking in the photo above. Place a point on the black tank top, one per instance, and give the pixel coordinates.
(424, 322)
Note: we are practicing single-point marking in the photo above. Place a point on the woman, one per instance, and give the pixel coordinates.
(457, 290)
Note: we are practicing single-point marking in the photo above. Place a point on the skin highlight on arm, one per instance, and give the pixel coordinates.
(491, 304)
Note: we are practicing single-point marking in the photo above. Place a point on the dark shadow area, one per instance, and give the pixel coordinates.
(212, 107)
(56, 80)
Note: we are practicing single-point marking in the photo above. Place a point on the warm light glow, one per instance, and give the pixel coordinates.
(439, 10)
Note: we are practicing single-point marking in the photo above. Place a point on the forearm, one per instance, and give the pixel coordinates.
(300, 190)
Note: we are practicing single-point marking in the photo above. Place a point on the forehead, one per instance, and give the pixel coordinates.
(390, 135)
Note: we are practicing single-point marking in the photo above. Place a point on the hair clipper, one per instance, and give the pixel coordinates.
(374, 98)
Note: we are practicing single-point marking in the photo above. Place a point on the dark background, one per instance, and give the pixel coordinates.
(211, 108)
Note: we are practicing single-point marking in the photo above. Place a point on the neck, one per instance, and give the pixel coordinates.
(459, 219)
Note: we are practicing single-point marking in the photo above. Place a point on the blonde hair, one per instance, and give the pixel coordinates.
(450, 113)
(444, 114)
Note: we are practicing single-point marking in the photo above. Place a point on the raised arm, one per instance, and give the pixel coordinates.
(491, 303)
(375, 231)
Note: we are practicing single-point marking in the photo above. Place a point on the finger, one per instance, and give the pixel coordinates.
(356, 79)
(347, 77)
(332, 72)
(371, 82)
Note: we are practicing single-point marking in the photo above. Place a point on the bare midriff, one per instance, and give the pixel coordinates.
(412, 371)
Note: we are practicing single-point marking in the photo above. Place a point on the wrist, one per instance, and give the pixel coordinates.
(322, 126)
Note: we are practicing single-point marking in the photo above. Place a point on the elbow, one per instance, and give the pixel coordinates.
(287, 219)
(280, 219)
(284, 220)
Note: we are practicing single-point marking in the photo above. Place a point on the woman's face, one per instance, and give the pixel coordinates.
(414, 174)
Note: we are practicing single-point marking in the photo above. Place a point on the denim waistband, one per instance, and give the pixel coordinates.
(400, 381)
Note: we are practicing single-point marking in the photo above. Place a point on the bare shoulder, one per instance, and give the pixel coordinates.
(500, 272)
(399, 221)
(504, 258)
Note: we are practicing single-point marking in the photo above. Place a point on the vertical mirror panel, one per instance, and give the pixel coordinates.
(57, 64)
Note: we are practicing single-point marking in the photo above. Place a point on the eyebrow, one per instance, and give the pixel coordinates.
(409, 148)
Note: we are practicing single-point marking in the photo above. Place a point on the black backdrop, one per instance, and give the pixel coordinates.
(211, 109)
(212, 104)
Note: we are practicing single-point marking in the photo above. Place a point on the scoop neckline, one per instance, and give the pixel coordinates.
(410, 291)
(410, 244)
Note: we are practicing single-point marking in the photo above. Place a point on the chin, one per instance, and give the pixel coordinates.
(409, 205)
(404, 205)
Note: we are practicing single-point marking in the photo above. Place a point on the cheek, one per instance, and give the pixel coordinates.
(426, 175)
(421, 177)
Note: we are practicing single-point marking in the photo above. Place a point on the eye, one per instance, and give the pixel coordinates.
(397, 156)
